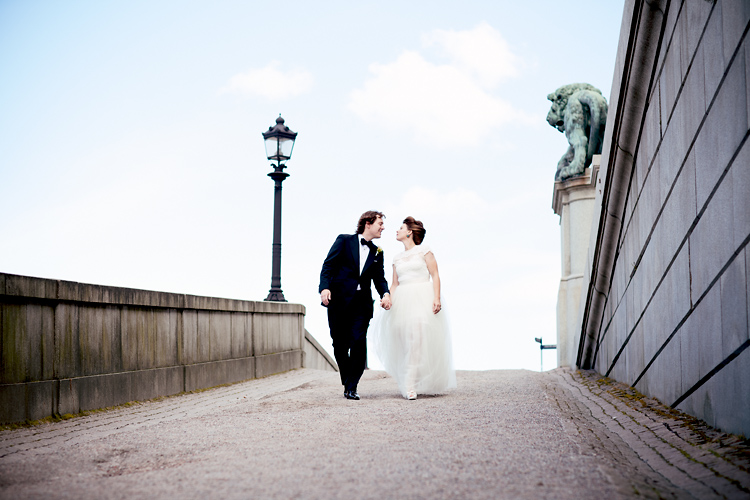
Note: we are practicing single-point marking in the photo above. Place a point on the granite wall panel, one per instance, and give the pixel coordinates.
(686, 295)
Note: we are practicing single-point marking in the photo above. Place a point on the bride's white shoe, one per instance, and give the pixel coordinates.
(411, 395)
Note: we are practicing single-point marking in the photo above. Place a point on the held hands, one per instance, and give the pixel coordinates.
(385, 302)
(436, 306)
(325, 299)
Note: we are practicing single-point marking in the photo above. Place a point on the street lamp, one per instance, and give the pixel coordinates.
(279, 144)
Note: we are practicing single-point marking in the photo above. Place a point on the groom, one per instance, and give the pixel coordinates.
(352, 265)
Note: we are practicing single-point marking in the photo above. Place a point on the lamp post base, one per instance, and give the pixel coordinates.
(275, 296)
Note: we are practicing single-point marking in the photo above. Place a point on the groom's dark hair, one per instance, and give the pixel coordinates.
(370, 216)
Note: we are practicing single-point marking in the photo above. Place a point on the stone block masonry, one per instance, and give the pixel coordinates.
(668, 295)
(67, 347)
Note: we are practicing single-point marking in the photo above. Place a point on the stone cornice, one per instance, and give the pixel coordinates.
(12, 285)
(641, 36)
(565, 191)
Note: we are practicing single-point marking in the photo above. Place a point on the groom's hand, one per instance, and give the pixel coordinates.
(385, 302)
(325, 297)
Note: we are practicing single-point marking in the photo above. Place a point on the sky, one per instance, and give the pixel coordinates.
(131, 151)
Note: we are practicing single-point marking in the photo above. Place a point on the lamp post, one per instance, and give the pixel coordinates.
(279, 144)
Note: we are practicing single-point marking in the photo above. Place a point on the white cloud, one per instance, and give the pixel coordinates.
(442, 104)
(482, 52)
(270, 82)
(428, 203)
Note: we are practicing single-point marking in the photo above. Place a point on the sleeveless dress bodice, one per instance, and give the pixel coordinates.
(411, 266)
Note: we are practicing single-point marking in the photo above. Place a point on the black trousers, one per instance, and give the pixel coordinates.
(349, 333)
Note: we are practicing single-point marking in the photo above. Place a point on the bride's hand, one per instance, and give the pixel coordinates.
(385, 302)
(436, 306)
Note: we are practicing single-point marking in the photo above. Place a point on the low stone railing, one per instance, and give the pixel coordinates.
(67, 347)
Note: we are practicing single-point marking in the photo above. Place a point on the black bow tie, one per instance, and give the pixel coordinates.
(364, 242)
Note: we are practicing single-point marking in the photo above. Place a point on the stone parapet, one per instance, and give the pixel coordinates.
(316, 357)
(67, 347)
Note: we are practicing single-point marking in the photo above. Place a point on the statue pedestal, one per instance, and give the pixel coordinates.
(573, 201)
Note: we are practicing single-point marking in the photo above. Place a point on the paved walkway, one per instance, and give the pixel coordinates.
(501, 434)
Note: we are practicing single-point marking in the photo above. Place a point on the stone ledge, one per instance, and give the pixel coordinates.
(565, 189)
(17, 286)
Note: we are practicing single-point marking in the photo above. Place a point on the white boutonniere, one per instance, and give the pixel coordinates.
(378, 252)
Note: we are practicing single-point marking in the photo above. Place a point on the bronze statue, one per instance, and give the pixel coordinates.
(580, 111)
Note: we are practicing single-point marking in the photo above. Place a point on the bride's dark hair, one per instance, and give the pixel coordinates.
(417, 229)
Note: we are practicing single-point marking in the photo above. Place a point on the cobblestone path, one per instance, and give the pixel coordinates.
(501, 434)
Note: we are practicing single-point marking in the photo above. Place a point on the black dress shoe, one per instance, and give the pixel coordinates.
(351, 395)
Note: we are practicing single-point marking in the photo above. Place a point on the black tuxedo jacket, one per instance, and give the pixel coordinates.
(340, 273)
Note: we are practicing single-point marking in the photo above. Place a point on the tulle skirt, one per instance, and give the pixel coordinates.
(413, 343)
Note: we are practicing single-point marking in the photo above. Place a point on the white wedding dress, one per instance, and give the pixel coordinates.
(412, 342)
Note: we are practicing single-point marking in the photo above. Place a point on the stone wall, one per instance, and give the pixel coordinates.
(666, 308)
(67, 347)
(316, 356)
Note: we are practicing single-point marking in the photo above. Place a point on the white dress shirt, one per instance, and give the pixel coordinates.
(364, 252)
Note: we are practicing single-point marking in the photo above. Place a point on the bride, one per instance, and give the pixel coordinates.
(412, 339)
